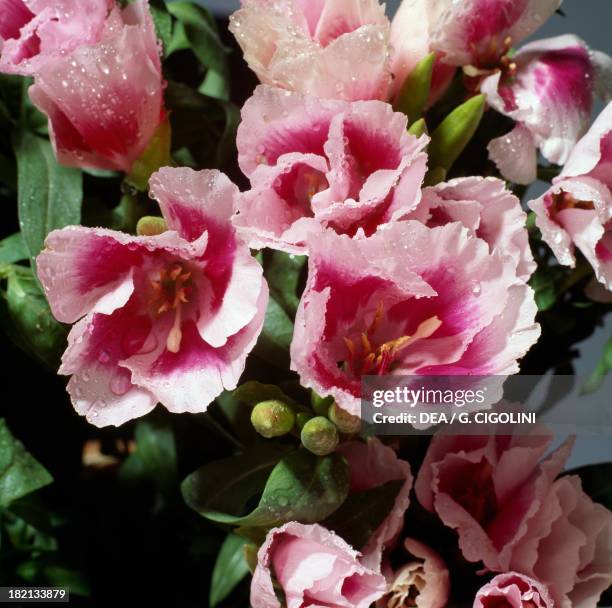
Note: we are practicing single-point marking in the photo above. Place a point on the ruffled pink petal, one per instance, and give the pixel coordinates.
(373, 464)
(49, 29)
(313, 566)
(276, 122)
(564, 229)
(100, 387)
(88, 269)
(104, 101)
(515, 155)
(592, 155)
(551, 94)
(513, 590)
(488, 209)
(473, 32)
(189, 380)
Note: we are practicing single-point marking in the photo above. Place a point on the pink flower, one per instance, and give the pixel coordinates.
(503, 501)
(373, 464)
(549, 90)
(577, 210)
(487, 488)
(38, 31)
(336, 49)
(167, 318)
(487, 208)
(422, 582)
(313, 567)
(346, 165)
(513, 590)
(104, 101)
(568, 546)
(480, 33)
(378, 305)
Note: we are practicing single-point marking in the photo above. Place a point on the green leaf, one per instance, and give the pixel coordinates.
(545, 284)
(13, 249)
(415, 90)
(11, 97)
(604, 366)
(283, 272)
(275, 338)
(49, 195)
(229, 485)
(27, 319)
(155, 455)
(454, 132)
(230, 568)
(201, 32)
(363, 512)
(301, 487)
(20, 472)
(596, 482)
(163, 23)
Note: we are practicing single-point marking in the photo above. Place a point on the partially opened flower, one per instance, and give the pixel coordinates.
(373, 464)
(487, 208)
(513, 590)
(104, 101)
(330, 49)
(38, 31)
(318, 163)
(549, 90)
(577, 210)
(379, 306)
(167, 318)
(314, 567)
(423, 581)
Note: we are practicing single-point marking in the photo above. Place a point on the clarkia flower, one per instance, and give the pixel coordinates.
(373, 464)
(38, 31)
(422, 582)
(314, 567)
(549, 89)
(318, 163)
(513, 590)
(378, 305)
(104, 100)
(577, 210)
(167, 318)
(500, 495)
(330, 49)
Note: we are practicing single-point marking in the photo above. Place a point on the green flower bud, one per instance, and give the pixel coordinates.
(301, 419)
(150, 225)
(272, 418)
(346, 423)
(320, 405)
(319, 436)
(415, 90)
(418, 128)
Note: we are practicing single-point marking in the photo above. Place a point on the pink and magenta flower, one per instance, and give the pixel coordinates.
(104, 100)
(577, 210)
(500, 495)
(327, 48)
(549, 90)
(513, 590)
(314, 567)
(167, 318)
(373, 464)
(38, 31)
(378, 305)
(313, 163)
